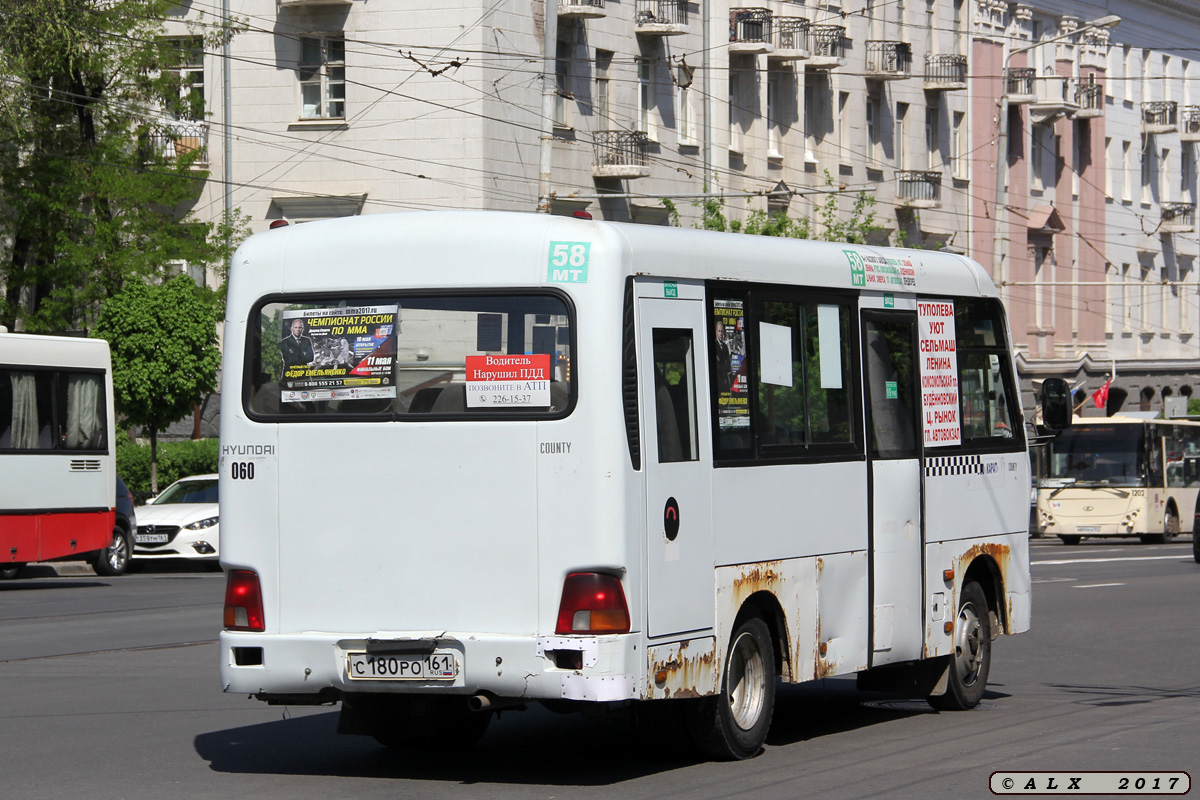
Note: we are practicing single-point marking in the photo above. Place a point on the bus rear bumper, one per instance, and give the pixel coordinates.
(318, 665)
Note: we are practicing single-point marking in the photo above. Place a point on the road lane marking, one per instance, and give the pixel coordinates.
(1095, 585)
(1110, 560)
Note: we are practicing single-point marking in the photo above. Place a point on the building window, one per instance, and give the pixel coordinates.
(322, 75)
(1127, 296)
(1164, 177)
(562, 83)
(1147, 153)
(958, 146)
(685, 114)
(900, 143)
(874, 107)
(735, 112)
(773, 95)
(1126, 172)
(1037, 161)
(843, 132)
(1108, 168)
(932, 135)
(1187, 171)
(186, 59)
(645, 95)
(603, 98)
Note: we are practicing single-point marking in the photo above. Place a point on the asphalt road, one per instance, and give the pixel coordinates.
(110, 690)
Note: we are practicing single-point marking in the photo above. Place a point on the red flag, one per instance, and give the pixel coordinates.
(1100, 396)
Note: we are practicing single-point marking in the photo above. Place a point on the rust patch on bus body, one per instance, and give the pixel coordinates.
(761, 577)
(1001, 556)
(690, 671)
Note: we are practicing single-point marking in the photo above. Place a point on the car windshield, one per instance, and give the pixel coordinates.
(1097, 454)
(189, 492)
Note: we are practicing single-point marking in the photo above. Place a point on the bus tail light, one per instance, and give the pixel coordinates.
(243, 601)
(592, 603)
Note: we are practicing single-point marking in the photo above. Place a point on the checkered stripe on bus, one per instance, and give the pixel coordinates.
(953, 465)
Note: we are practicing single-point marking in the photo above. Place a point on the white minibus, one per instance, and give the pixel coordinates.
(471, 460)
(58, 475)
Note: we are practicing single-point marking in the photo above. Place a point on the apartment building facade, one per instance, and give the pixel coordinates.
(339, 107)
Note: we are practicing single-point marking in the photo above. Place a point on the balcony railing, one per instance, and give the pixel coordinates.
(827, 45)
(1089, 96)
(750, 30)
(1189, 123)
(620, 154)
(662, 17)
(1160, 116)
(1178, 217)
(791, 38)
(889, 60)
(919, 188)
(581, 9)
(945, 72)
(1018, 85)
(179, 139)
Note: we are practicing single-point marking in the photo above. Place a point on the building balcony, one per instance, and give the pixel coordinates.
(1189, 124)
(827, 45)
(750, 30)
(791, 39)
(945, 72)
(179, 139)
(661, 17)
(888, 61)
(581, 9)
(1055, 98)
(1178, 217)
(919, 188)
(1019, 85)
(1089, 96)
(620, 154)
(1161, 116)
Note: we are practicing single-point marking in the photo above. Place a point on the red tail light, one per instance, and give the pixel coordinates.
(592, 603)
(243, 601)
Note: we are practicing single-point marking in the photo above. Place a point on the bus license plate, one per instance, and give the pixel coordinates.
(1087, 529)
(368, 667)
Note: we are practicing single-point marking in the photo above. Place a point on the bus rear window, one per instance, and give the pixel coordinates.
(411, 357)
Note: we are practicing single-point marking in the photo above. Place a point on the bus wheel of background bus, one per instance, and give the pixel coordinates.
(1071, 540)
(1196, 544)
(10, 571)
(114, 559)
(410, 722)
(972, 659)
(733, 724)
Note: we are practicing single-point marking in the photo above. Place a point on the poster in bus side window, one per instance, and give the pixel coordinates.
(338, 353)
(729, 364)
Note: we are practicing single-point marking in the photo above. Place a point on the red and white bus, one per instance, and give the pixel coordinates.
(57, 451)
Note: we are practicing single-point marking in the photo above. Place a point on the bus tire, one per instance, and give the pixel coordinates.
(114, 559)
(972, 659)
(10, 571)
(1070, 541)
(1196, 545)
(733, 724)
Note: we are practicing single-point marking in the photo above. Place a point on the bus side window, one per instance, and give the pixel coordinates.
(675, 395)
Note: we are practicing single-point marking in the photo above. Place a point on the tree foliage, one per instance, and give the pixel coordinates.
(164, 352)
(94, 179)
(830, 225)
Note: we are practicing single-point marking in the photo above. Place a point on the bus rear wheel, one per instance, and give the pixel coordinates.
(972, 659)
(733, 725)
(10, 571)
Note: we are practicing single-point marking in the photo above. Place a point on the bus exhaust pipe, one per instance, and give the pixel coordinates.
(486, 701)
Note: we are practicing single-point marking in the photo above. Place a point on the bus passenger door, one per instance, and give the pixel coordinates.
(677, 461)
(895, 486)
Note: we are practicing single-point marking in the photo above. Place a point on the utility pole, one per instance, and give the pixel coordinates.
(549, 93)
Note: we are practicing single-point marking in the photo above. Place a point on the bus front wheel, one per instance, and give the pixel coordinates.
(733, 725)
(972, 659)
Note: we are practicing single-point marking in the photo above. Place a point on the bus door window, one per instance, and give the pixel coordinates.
(890, 373)
(675, 395)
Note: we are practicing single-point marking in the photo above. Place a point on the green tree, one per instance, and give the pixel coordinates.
(854, 229)
(164, 351)
(94, 172)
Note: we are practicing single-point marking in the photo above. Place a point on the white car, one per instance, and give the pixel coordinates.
(182, 522)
